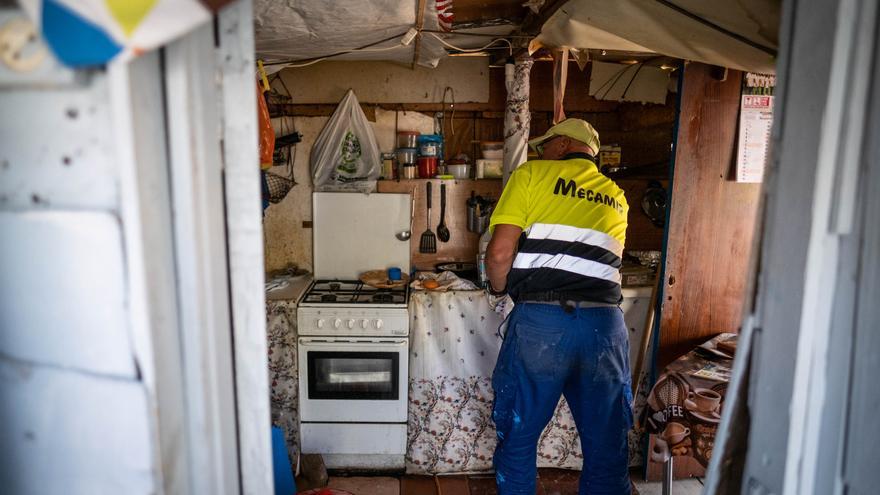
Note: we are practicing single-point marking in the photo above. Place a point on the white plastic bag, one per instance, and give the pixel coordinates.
(345, 153)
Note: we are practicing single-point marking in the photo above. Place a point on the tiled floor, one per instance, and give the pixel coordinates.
(358, 485)
(550, 482)
(679, 487)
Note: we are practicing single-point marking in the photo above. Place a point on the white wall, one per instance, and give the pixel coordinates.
(76, 411)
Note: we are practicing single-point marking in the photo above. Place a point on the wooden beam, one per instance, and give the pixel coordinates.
(420, 22)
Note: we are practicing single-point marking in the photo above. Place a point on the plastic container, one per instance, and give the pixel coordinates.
(427, 167)
(492, 150)
(459, 170)
(430, 145)
(406, 156)
(407, 139)
(489, 169)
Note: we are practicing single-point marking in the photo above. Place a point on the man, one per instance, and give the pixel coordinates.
(558, 235)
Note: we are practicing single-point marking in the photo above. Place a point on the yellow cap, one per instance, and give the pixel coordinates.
(577, 129)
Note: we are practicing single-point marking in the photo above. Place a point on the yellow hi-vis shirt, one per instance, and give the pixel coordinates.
(574, 228)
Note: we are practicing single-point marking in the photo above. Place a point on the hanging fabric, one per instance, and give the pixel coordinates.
(517, 118)
(267, 134)
(560, 75)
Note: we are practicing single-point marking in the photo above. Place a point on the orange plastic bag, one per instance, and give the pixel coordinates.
(267, 134)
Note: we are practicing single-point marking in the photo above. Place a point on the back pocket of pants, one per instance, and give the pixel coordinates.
(612, 363)
(540, 350)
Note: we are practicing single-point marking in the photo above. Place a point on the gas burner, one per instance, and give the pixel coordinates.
(383, 297)
(352, 292)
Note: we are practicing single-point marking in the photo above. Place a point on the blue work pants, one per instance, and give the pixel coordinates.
(582, 353)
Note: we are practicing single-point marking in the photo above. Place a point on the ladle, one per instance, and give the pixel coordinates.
(404, 235)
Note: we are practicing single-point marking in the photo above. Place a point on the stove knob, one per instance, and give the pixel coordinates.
(337, 323)
(351, 323)
(379, 323)
(365, 323)
(320, 323)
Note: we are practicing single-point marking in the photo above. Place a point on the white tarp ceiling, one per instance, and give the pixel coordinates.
(740, 34)
(290, 30)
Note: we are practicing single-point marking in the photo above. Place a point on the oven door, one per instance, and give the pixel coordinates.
(353, 380)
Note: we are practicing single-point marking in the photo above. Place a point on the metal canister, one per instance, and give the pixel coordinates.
(481, 270)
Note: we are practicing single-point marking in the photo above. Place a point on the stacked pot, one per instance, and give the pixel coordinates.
(407, 154)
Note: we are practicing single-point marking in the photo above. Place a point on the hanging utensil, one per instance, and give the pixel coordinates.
(442, 230)
(406, 234)
(428, 243)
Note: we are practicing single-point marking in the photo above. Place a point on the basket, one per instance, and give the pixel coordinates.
(278, 186)
(279, 178)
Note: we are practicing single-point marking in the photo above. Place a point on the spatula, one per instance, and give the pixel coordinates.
(428, 243)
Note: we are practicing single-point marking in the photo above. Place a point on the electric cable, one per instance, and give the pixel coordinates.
(368, 48)
(485, 35)
(314, 60)
(623, 95)
(613, 80)
(450, 90)
(472, 50)
(716, 27)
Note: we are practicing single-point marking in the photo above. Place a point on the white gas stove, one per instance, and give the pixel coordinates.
(354, 338)
(351, 308)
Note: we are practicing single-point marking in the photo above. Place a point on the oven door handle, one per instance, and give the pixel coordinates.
(358, 343)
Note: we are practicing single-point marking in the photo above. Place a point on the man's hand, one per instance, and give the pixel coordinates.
(500, 254)
(502, 305)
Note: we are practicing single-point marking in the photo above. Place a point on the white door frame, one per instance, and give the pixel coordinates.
(244, 231)
(192, 213)
(815, 268)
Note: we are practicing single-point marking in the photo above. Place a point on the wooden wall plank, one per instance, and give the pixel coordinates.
(641, 234)
(388, 82)
(712, 218)
(461, 141)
